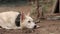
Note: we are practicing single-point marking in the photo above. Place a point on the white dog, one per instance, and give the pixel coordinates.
(8, 20)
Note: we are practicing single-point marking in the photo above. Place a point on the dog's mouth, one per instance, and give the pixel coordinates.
(34, 29)
(30, 30)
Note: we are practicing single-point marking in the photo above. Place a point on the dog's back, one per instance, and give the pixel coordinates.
(7, 19)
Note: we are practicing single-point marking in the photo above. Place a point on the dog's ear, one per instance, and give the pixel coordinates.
(22, 17)
(28, 14)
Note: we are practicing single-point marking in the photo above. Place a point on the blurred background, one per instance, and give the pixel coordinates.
(37, 8)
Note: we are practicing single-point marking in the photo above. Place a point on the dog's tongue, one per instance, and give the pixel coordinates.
(38, 26)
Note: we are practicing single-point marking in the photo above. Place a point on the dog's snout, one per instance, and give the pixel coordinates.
(35, 27)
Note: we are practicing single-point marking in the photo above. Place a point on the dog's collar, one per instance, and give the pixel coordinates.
(17, 21)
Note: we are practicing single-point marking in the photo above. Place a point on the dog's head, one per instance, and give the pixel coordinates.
(27, 21)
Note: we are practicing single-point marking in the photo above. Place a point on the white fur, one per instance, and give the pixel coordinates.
(28, 25)
(7, 20)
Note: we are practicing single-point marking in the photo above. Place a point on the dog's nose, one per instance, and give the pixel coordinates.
(35, 27)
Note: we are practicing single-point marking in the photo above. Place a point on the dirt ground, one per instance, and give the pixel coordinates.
(46, 27)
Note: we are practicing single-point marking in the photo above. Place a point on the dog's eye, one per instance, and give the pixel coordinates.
(29, 21)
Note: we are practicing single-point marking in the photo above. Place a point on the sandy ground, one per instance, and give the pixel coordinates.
(46, 27)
